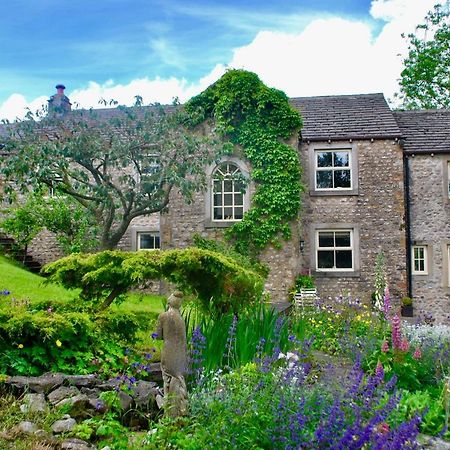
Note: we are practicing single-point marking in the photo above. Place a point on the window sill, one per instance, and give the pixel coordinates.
(335, 274)
(333, 193)
(212, 224)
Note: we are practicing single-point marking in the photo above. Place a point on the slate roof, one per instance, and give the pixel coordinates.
(425, 131)
(365, 116)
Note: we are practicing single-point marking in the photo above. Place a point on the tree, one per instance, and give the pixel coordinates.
(219, 282)
(63, 216)
(118, 165)
(22, 223)
(425, 79)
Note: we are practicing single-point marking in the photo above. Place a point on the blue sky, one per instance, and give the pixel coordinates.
(166, 48)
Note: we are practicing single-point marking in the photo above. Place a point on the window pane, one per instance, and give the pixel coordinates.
(342, 238)
(239, 186)
(217, 199)
(344, 259)
(228, 186)
(228, 213)
(157, 242)
(326, 239)
(325, 259)
(448, 175)
(238, 199)
(148, 241)
(416, 265)
(238, 213)
(324, 159)
(341, 159)
(228, 199)
(324, 179)
(342, 178)
(418, 252)
(217, 186)
(218, 214)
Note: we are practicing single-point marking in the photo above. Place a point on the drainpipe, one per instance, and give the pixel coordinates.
(407, 224)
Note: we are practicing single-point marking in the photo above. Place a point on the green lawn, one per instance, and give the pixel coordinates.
(26, 285)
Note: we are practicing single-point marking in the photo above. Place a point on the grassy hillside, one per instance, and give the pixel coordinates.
(26, 285)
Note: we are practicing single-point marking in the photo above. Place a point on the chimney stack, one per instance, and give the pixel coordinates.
(59, 104)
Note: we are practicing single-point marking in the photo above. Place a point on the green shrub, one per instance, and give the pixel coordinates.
(302, 282)
(34, 341)
(219, 282)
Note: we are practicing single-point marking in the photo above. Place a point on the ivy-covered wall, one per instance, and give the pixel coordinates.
(258, 120)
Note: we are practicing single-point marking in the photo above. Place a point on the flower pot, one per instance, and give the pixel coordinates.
(407, 310)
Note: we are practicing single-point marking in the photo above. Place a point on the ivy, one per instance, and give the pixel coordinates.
(257, 119)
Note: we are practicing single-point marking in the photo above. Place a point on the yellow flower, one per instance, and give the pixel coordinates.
(20, 346)
(58, 343)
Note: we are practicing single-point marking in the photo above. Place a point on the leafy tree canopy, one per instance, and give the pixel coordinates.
(425, 79)
(118, 165)
(218, 281)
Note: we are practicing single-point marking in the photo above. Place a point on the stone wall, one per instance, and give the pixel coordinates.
(182, 221)
(143, 223)
(375, 210)
(45, 248)
(430, 226)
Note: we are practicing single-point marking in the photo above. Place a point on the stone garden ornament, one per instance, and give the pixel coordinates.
(172, 330)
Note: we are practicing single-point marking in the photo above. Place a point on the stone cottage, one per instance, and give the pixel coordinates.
(373, 181)
(426, 145)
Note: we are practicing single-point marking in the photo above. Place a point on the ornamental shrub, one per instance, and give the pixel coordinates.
(218, 281)
(34, 341)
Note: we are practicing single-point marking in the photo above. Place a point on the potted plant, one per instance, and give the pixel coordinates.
(407, 307)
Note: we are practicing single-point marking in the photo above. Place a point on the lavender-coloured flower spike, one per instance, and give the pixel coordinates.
(379, 371)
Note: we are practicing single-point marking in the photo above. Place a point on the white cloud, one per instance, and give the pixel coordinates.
(17, 106)
(335, 55)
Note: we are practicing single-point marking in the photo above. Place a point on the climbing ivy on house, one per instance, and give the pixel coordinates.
(257, 119)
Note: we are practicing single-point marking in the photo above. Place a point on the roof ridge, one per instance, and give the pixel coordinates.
(370, 94)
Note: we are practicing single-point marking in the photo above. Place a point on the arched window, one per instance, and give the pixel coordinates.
(228, 190)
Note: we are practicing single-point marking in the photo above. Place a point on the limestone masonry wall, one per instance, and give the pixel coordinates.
(376, 211)
(430, 213)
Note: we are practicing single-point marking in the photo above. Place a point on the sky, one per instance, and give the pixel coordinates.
(161, 49)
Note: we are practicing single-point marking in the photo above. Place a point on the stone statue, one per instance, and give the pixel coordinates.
(172, 330)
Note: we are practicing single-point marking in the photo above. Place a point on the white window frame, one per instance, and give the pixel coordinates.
(448, 180)
(448, 265)
(334, 248)
(423, 257)
(222, 192)
(333, 168)
(150, 169)
(155, 236)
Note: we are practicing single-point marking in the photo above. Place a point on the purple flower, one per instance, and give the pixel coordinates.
(379, 371)
(154, 335)
(396, 332)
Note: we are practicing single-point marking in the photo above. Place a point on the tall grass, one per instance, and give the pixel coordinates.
(231, 341)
